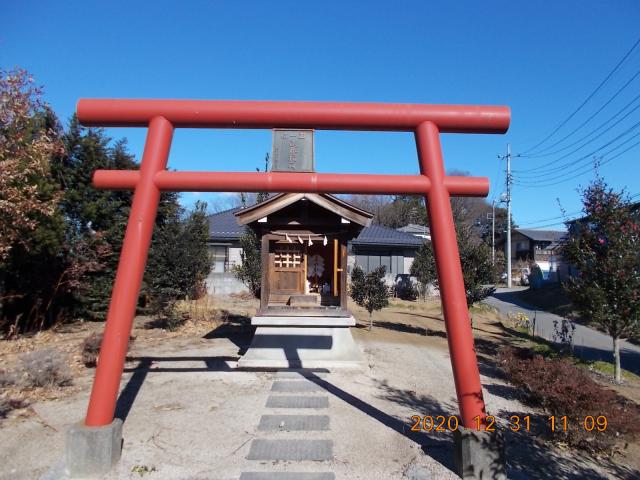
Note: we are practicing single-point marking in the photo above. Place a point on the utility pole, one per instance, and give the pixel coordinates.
(493, 232)
(507, 200)
(508, 215)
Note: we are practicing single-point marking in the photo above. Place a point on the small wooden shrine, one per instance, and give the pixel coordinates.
(303, 241)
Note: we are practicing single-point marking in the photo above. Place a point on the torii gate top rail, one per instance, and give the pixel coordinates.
(318, 115)
(162, 116)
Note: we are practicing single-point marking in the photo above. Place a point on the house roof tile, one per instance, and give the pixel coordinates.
(381, 235)
(224, 226)
(542, 235)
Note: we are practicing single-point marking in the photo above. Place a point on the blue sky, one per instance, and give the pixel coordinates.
(543, 59)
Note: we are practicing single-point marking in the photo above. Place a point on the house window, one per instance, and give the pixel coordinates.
(369, 260)
(288, 256)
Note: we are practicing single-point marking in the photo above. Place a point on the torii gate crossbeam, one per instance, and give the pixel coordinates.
(163, 116)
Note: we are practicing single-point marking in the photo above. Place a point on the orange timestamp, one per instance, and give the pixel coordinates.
(516, 423)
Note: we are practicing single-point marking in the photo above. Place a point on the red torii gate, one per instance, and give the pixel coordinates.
(162, 116)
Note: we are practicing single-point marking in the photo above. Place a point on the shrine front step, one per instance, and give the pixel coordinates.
(302, 342)
(304, 300)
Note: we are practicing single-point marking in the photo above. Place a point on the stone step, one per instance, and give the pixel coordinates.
(295, 386)
(297, 401)
(291, 450)
(300, 374)
(287, 476)
(290, 423)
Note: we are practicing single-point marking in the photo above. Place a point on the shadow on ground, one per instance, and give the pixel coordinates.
(438, 448)
(526, 457)
(515, 298)
(413, 314)
(236, 328)
(154, 364)
(405, 328)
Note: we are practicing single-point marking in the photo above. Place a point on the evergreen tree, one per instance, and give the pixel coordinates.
(178, 262)
(250, 269)
(424, 268)
(604, 247)
(369, 291)
(90, 211)
(475, 259)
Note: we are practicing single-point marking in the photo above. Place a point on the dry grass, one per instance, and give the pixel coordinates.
(36, 375)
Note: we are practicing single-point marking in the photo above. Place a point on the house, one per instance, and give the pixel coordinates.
(379, 245)
(225, 252)
(373, 246)
(540, 247)
(417, 230)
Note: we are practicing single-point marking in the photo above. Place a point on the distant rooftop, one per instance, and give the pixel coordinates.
(414, 229)
(381, 235)
(223, 225)
(542, 235)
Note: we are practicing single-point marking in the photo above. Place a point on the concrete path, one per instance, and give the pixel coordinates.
(587, 342)
(297, 405)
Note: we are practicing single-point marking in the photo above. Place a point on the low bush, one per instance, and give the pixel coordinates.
(405, 289)
(43, 368)
(9, 404)
(7, 378)
(561, 388)
(91, 349)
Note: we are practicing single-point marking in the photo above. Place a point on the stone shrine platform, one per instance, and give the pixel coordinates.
(302, 342)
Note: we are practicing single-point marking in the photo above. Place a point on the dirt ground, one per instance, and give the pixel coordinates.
(189, 413)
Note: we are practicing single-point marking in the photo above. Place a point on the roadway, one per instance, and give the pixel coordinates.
(587, 343)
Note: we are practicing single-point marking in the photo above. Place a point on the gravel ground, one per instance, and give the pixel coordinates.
(190, 415)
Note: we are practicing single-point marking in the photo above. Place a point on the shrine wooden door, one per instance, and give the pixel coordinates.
(287, 270)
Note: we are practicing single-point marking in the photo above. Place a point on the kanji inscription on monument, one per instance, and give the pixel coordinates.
(292, 150)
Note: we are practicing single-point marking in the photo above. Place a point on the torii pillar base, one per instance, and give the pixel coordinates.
(479, 455)
(92, 451)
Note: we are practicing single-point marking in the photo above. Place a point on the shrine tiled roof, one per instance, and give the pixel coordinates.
(223, 226)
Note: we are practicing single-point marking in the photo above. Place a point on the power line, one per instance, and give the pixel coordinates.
(570, 173)
(584, 137)
(535, 227)
(532, 172)
(589, 169)
(540, 154)
(542, 220)
(550, 173)
(591, 95)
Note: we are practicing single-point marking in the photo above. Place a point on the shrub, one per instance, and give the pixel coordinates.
(249, 271)
(9, 404)
(7, 378)
(91, 349)
(43, 368)
(405, 288)
(171, 319)
(561, 388)
(369, 291)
